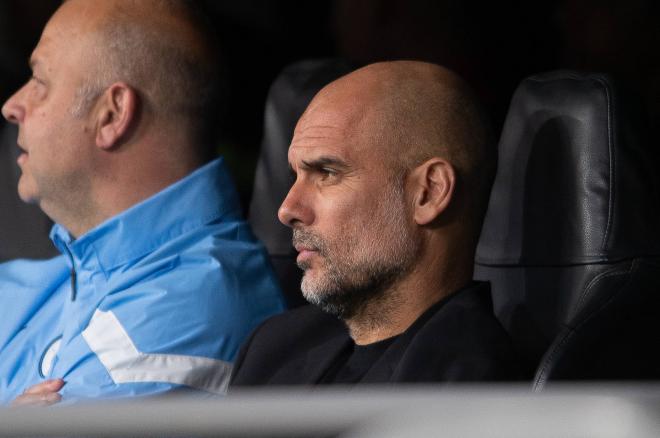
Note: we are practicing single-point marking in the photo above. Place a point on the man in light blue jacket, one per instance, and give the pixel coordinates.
(160, 279)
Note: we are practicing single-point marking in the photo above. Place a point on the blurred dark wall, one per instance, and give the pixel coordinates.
(492, 44)
(20, 26)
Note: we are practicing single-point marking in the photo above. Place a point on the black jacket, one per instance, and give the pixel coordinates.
(457, 339)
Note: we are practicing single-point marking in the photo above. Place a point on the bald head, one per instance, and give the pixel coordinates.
(409, 112)
(161, 48)
(393, 167)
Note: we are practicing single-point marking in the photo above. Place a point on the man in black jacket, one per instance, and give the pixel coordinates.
(394, 164)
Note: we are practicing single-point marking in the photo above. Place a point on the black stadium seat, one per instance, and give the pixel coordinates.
(287, 99)
(571, 240)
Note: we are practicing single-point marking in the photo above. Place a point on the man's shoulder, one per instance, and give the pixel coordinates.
(211, 271)
(463, 340)
(227, 297)
(33, 272)
(279, 350)
(466, 314)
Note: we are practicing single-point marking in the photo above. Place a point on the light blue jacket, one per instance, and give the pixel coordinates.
(155, 299)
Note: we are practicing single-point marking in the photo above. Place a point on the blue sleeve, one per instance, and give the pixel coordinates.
(177, 330)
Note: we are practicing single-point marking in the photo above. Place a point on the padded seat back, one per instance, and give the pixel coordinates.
(573, 215)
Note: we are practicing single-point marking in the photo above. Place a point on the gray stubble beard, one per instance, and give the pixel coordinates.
(347, 288)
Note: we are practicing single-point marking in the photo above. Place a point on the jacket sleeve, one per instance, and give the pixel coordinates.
(178, 330)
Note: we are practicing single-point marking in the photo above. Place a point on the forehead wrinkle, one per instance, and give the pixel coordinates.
(315, 149)
(316, 137)
(313, 135)
(314, 152)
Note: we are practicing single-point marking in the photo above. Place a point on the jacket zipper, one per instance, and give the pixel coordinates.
(74, 288)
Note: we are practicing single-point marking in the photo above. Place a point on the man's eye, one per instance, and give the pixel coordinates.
(327, 173)
(38, 81)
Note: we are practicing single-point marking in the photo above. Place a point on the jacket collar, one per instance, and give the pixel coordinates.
(205, 195)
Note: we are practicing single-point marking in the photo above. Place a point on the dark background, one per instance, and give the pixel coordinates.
(492, 44)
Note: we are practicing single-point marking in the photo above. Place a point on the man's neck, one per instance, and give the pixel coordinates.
(113, 192)
(395, 310)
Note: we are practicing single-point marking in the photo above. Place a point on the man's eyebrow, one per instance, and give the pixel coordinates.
(319, 162)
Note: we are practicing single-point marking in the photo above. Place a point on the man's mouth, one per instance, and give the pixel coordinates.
(22, 156)
(21, 148)
(300, 247)
(308, 245)
(304, 253)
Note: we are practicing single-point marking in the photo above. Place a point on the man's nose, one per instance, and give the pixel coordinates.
(295, 208)
(13, 110)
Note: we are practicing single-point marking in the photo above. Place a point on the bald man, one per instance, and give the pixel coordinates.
(393, 164)
(160, 279)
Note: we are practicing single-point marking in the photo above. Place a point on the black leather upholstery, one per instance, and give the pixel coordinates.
(571, 235)
(615, 335)
(287, 99)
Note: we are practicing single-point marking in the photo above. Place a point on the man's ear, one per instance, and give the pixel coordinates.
(433, 184)
(115, 114)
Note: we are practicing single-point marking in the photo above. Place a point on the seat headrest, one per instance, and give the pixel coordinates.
(575, 182)
(287, 99)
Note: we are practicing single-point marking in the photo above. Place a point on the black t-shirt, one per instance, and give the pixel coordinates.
(355, 361)
(458, 339)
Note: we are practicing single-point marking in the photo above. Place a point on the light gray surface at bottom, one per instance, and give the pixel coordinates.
(403, 411)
